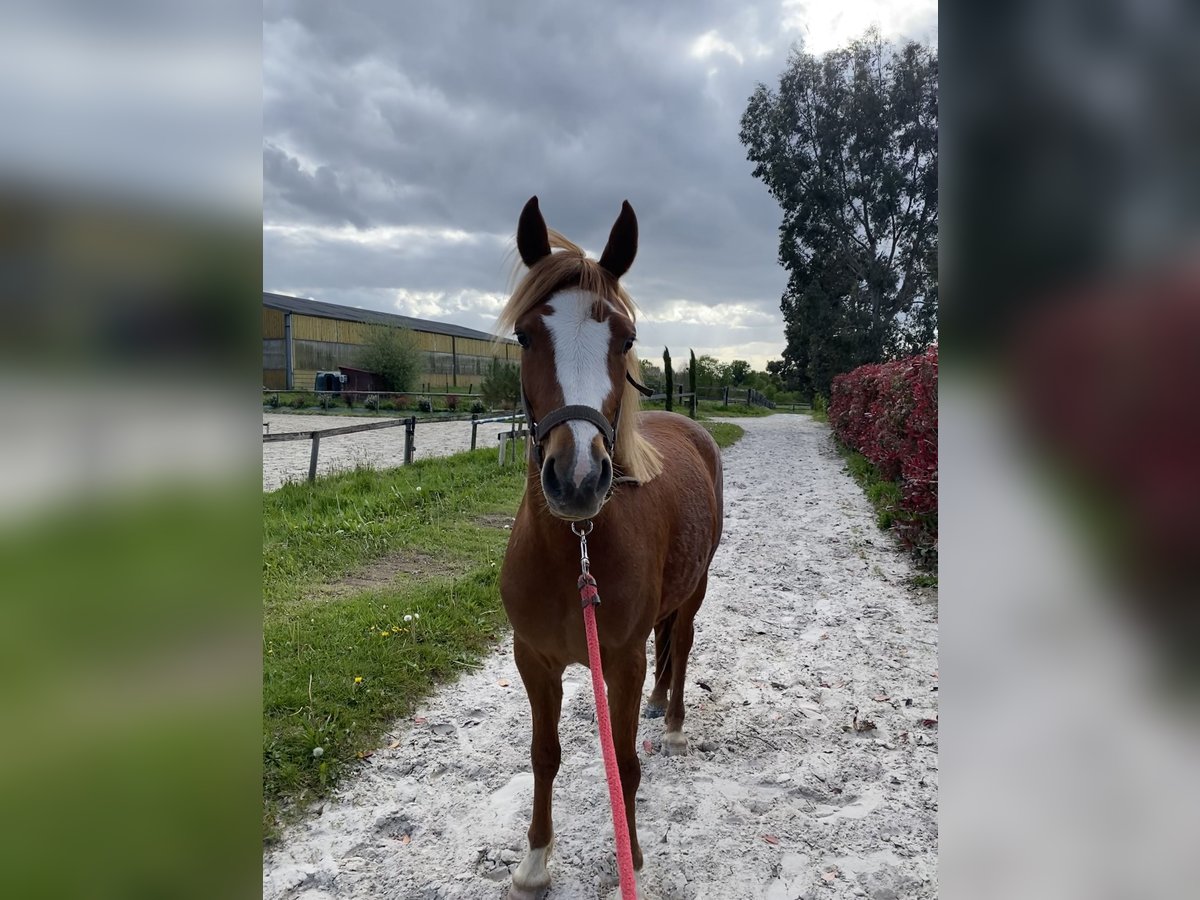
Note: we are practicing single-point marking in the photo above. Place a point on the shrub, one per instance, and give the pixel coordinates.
(452, 402)
(501, 386)
(393, 354)
(425, 404)
(349, 400)
(478, 406)
(372, 402)
(888, 413)
(273, 401)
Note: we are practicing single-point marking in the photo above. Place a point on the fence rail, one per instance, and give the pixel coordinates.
(410, 430)
(514, 418)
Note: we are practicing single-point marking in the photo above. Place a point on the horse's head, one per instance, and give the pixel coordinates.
(576, 329)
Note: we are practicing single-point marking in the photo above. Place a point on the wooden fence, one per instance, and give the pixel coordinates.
(410, 430)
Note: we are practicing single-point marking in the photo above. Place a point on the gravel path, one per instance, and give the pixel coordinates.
(811, 709)
(288, 460)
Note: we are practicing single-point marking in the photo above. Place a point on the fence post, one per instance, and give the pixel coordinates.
(693, 405)
(503, 448)
(474, 428)
(312, 460)
(726, 400)
(410, 434)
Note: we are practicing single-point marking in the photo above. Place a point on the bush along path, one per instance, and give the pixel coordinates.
(812, 713)
(886, 416)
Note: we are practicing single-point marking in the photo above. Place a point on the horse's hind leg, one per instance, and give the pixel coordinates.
(543, 684)
(682, 633)
(656, 704)
(625, 675)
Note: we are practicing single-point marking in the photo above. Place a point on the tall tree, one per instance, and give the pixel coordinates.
(738, 370)
(847, 145)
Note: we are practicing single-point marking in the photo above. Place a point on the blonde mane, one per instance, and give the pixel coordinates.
(633, 456)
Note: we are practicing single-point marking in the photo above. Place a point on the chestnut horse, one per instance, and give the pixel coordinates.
(650, 483)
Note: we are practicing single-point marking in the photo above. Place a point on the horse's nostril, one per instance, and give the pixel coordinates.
(605, 472)
(550, 482)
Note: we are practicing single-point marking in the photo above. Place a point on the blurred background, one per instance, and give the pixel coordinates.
(130, 263)
(130, 257)
(1070, 449)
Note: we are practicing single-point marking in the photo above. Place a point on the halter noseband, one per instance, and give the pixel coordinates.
(539, 431)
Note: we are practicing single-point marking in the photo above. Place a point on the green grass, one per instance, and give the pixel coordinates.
(732, 411)
(709, 408)
(885, 496)
(316, 644)
(126, 689)
(726, 434)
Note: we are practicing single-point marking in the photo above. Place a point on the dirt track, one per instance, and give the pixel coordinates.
(812, 707)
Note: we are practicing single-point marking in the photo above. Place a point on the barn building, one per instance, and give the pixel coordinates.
(302, 337)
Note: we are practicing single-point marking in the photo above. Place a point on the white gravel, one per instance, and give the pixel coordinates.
(288, 460)
(808, 627)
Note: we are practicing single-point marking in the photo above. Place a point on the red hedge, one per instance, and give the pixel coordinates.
(888, 413)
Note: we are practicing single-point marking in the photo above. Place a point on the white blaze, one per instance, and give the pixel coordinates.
(581, 346)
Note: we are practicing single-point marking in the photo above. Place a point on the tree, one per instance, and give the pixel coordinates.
(670, 383)
(710, 371)
(501, 386)
(738, 370)
(783, 373)
(652, 375)
(392, 354)
(693, 370)
(847, 145)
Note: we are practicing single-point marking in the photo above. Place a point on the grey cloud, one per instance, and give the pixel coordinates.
(320, 195)
(450, 115)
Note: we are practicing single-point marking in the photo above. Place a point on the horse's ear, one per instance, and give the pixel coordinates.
(622, 243)
(533, 241)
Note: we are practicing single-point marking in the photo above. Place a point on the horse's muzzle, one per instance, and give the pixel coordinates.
(571, 494)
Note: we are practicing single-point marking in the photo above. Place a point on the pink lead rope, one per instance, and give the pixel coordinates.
(589, 596)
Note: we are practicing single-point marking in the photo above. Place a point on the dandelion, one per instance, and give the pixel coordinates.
(418, 615)
(395, 629)
(384, 634)
(318, 752)
(418, 487)
(408, 618)
(358, 679)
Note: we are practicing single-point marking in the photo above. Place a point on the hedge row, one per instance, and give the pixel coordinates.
(888, 413)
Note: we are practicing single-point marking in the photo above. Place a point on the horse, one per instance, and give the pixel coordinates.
(650, 484)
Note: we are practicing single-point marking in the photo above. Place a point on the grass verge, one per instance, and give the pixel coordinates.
(918, 533)
(338, 669)
(708, 408)
(724, 433)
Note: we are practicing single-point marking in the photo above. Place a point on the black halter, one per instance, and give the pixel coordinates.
(539, 431)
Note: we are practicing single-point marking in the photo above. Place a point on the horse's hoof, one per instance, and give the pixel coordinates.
(675, 743)
(532, 876)
(653, 711)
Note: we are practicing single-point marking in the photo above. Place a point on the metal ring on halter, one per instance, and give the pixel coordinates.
(578, 532)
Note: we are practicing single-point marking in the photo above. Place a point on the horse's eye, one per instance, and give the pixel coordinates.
(522, 339)
(628, 345)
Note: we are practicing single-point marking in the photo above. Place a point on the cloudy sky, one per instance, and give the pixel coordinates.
(402, 139)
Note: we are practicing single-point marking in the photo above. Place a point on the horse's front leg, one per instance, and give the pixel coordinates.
(543, 685)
